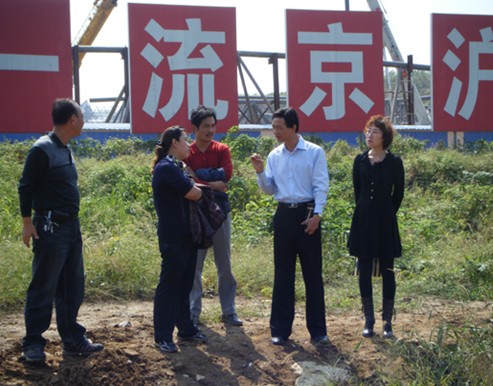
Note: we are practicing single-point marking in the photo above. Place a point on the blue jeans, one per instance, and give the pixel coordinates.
(57, 276)
(171, 301)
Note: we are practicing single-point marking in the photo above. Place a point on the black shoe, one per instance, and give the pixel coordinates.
(166, 347)
(83, 349)
(232, 320)
(368, 330)
(195, 321)
(320, 340)
(387, 330)
(278, 340)
(197, 337)
(34, 354)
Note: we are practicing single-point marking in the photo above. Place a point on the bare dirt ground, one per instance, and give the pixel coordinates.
(232, 355)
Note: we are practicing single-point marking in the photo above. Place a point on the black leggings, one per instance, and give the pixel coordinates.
(365, 267)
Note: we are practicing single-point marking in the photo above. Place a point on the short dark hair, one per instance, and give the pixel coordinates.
(385, 125)
(289, 115)
(62, 110)
(200, 113)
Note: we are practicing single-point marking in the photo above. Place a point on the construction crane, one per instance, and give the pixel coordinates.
(98, 15)
(391, 45)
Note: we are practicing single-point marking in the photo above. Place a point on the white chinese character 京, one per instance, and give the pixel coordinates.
(337, 79)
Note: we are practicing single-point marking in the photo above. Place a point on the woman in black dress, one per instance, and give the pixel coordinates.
(378, 179)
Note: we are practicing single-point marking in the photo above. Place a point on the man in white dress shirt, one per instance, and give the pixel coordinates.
(296, 174)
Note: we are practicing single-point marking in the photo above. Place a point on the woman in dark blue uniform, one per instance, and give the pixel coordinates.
(172, 189)
(378, 179)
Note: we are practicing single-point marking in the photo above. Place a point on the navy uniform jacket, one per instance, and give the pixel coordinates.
(49, 178)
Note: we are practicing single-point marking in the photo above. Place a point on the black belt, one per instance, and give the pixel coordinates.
(294, 205)
(57, 215)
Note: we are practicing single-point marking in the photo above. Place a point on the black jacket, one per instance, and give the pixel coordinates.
(205, 218)
(49, 178)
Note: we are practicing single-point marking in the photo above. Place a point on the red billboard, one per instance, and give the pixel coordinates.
(334, 60)
(35, 62)
(462, 72)
(181, 57)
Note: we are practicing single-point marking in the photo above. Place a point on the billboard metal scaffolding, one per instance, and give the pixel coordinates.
(257, 107)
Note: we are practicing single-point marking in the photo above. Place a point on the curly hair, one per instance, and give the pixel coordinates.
(385, 125)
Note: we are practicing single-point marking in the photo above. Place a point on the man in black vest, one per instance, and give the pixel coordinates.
(49, 187)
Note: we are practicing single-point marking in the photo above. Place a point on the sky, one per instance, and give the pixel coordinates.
(260, 26)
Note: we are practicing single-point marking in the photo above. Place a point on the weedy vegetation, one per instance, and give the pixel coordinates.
(446, 223)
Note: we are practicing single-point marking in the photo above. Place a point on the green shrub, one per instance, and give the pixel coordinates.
(452, 356)
(242, 147)
(446, 225)
(114, 147)
(407, 146)
(446, 220)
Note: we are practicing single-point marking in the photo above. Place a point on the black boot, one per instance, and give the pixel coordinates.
(369, 316)
(387, 312)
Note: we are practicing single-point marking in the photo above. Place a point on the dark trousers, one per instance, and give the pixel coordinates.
(290, 241)
(171, 300)
(365, 266)
(57, 276)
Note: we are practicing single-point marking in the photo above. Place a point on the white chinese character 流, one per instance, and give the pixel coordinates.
(181, 60)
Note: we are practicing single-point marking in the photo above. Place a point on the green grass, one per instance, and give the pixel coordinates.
(450, 356)
(446, 223)
(446, 220)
